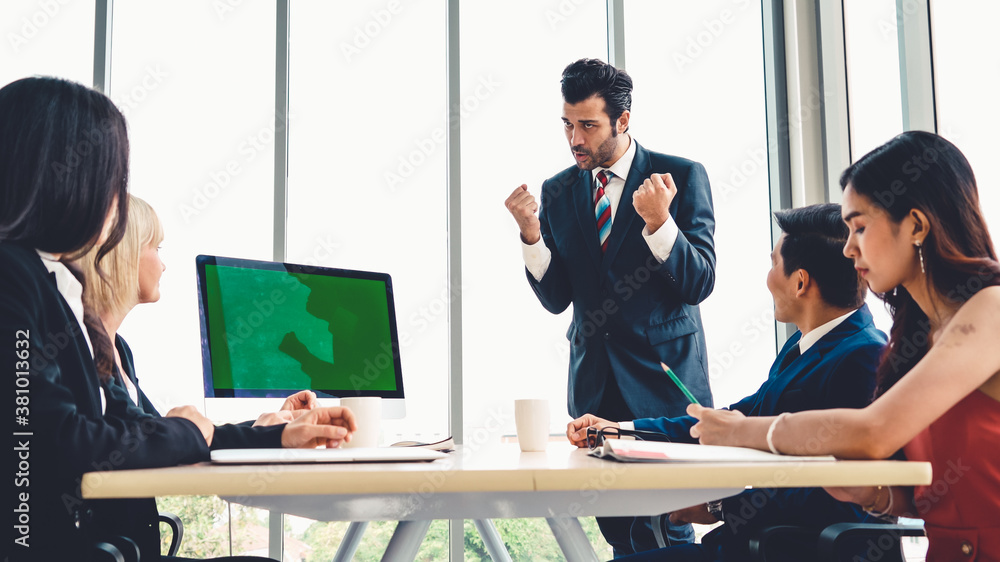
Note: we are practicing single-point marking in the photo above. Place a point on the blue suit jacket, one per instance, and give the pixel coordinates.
(838, 371)
(629, 311)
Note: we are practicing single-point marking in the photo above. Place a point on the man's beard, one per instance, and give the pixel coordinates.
(603, 154)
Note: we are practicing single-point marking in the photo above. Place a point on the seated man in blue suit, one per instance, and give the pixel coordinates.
(829, 363)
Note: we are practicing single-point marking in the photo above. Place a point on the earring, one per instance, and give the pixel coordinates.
(920, 253)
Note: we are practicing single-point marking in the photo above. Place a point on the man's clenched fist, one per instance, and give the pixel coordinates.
(524, 208)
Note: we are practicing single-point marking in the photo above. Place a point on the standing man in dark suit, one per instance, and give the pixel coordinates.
(625, 236)
(829, 363)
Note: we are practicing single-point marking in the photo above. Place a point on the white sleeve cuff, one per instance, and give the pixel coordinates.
(536, 258)
(630, 426)
(662, 241)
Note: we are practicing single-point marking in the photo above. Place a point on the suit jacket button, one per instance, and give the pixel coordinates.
(967, 548)
(607, 335)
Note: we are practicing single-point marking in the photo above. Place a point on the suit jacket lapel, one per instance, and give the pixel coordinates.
(625, 213)
(812, 357)
(767, 393)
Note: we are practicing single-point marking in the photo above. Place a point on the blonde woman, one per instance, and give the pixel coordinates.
(131, 276)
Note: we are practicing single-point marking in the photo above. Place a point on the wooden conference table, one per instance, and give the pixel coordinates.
(489, 482)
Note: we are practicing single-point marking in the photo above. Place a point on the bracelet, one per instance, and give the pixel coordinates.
(770, 433)
(871, 507)
(888, 508)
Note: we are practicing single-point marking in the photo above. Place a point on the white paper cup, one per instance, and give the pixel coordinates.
(531, 417)
(368, 414)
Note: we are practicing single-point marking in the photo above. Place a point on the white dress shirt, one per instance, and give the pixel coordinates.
(72, 292)
(133, 392)
(537, 256)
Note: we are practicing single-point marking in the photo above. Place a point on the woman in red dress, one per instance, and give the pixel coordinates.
(917, 235)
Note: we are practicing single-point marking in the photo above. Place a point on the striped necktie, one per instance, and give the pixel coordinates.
(602, 209)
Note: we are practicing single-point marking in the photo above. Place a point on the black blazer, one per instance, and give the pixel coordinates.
(629, 311)
(65, 434)
(128, 364)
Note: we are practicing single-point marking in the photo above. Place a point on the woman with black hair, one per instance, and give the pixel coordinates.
(917, 235)
(63, 190)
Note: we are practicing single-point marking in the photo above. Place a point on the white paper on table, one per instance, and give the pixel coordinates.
(658, 451)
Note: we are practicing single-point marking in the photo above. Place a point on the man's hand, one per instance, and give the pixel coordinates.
(275, 418)
(576, 430)
(320, 427)
(653, 198)
(523, 206)
(694, 514)
(301, 400)
(192, 414)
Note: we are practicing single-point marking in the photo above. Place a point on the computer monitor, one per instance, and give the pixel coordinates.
(270, 329)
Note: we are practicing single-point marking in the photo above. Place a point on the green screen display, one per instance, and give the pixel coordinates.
(281, 330)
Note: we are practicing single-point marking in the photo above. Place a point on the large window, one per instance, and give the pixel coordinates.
(699, 93)
(966, 79)
(871, 39)
(197, 88)
(47, 39)
(367, 186)
(873, 88)
(512, 134)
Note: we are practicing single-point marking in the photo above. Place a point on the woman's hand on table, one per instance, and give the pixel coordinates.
(329, 427)
(192, 414)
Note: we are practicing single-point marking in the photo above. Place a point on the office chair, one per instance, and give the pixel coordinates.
(176, 531)
(115, 549)
(845, 542)
(124, 549)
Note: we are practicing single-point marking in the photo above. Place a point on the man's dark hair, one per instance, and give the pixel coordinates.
(814, 241)
(589, 77)
(63, 162)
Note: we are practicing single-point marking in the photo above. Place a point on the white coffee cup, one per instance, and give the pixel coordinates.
(531, 417)
(368, 415)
